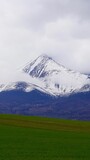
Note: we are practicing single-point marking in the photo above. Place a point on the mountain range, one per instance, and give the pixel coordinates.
(44, 87)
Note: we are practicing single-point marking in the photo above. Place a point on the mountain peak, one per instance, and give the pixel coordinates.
(44, 56)
(40, 66)
(54, 77)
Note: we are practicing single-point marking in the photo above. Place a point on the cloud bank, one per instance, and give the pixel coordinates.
(60, 29)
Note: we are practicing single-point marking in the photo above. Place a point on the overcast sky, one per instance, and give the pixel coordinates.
(58, 28)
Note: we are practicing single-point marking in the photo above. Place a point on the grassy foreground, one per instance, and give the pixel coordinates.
(35, 138)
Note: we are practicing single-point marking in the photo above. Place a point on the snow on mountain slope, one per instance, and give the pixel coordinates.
(55, 78)
(49, 77)
(24, 86)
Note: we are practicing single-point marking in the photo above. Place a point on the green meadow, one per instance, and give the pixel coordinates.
(37, 138)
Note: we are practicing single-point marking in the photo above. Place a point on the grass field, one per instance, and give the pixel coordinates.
(35, 138)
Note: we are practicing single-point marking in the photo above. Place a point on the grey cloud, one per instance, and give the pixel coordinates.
(52, 10)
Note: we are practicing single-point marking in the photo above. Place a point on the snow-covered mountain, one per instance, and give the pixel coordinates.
(45, 75)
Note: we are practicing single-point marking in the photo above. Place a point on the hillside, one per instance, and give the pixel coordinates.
(36, 103)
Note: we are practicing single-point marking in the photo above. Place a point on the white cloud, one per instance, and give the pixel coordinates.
(58, 28)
